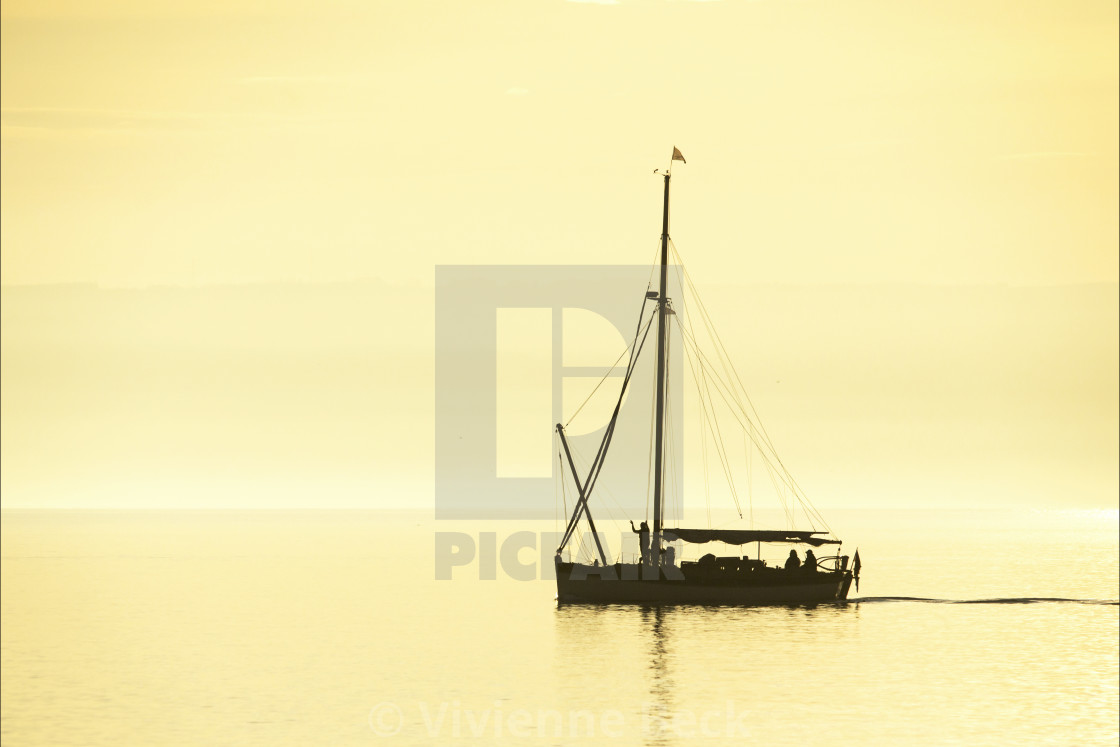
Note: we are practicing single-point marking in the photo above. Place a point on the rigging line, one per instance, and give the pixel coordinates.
(581, 551)
(678, 495)
(720, 389)
(613, 366)
(780, 488)
(774, 473)
(706, 407)
(704, 462)
(667, 434)
(750, 424)
(678, 499)
(613, 501)
(667, 448)
(750, 477)
(576, 549)
(637, 331)
(584, 549)
(605, 377)
(718, 441)
(649, 458)
(614, 416)
(812, 520)
(725, 361)
(638, 350)
(686, 312)
(654, 263)
(795, 489)
(678, 461)
(556, 492)
(781, 496)
(578, 458)
(563, 482)
(725, 391)
(597, 464)
(729, 368)
(812, 524)
(721, 449)
(717, 436)
(798, 491)
(563, 489)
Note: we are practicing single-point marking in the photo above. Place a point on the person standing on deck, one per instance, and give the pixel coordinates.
(643, 539)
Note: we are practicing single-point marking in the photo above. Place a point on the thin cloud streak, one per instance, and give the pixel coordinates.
(618, 2)
(16, 121)
(282, 79)
(1047, 154)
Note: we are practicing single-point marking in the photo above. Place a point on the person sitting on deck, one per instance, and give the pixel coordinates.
(793, 562)
(810, 562)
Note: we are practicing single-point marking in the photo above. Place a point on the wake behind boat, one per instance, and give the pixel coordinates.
(656, 576)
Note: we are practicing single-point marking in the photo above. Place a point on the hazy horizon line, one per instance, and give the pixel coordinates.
(415, 283)
(385, 509)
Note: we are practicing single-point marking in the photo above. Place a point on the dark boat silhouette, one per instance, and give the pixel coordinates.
(656, 577)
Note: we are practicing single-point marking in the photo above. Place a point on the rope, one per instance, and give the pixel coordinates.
(753, 424)
(611, 369)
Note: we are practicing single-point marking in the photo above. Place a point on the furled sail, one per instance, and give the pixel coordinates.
(745, 536)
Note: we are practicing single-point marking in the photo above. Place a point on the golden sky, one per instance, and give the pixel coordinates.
(194, 142)
(968, 144)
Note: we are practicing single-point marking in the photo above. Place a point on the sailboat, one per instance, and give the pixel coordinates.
(656, 577)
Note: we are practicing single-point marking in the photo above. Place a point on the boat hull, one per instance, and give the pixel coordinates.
(582, 584)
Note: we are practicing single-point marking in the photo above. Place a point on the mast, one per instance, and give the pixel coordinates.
(659, 435)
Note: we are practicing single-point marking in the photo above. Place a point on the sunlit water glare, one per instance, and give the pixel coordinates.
(329, 628)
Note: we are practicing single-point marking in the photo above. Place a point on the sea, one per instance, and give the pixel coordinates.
(987, 627)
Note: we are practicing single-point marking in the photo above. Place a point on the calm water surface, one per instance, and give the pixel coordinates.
(329, 628)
